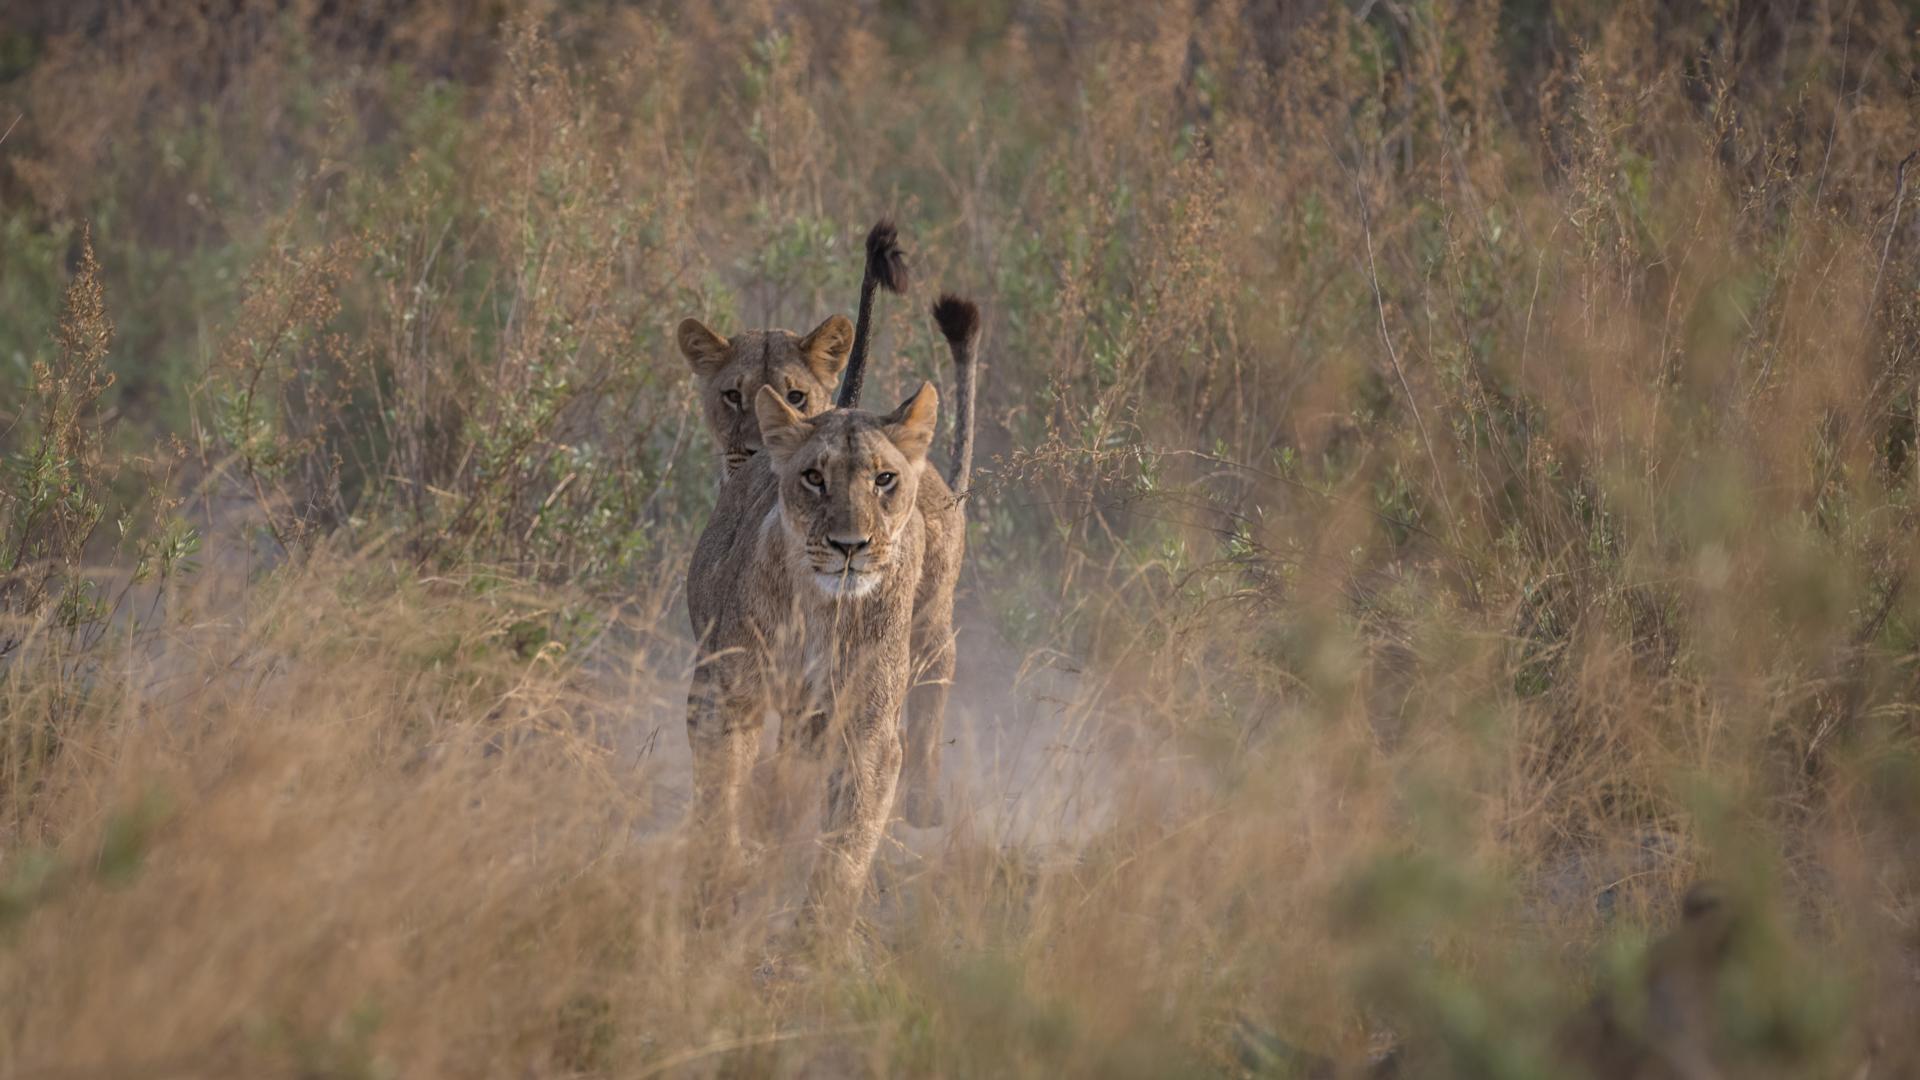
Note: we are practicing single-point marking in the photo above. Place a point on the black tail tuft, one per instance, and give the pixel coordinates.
(959, 318)
(886, 269)
(886, 263)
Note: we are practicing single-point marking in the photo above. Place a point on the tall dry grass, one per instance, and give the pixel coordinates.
(1448, 484)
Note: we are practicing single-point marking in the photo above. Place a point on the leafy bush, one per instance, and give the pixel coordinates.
(55, 495)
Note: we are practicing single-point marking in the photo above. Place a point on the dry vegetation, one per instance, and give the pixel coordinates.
(1449, 483)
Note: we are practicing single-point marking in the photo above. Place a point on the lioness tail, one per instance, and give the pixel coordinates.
(959, 321)
(886, 269)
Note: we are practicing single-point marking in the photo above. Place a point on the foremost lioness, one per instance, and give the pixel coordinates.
(805, 590)
(729, 375)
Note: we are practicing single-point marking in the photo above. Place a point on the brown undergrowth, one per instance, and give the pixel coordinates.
(1447, 483)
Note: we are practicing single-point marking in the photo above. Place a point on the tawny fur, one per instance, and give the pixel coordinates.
(933, 647)
(821, 635)
(934, 652)
(729, 373)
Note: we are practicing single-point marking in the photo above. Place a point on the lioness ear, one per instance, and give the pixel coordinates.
(706, 351)
(782, 428)
(827, 347)
(911, 425)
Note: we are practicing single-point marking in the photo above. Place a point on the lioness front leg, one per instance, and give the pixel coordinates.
(859, 800)
(722, 735)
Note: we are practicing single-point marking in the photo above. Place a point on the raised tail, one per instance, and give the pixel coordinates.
(886, 269)
(959, 321)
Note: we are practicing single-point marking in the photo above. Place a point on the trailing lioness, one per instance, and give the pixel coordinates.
(802, 370)
(806, 590)
(730, 374)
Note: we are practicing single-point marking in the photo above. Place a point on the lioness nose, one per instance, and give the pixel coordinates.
(847, 548)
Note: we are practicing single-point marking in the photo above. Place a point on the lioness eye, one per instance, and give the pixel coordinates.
(884, 480)
(796, 398)
(731, 397)
(814, 479)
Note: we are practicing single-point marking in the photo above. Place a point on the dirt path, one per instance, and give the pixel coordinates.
(1019, 766)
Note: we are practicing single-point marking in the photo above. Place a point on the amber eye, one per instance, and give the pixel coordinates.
(884, 480)
(731, 397)
(814, 480)
(797, 398)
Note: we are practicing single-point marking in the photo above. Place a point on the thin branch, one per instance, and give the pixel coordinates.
(1886, 246)
(1845, 433)
(1302, 485)
(728, 1046)
(1393, 355)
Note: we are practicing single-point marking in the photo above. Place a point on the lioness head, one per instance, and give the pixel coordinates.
(801, 371)
(848, 480)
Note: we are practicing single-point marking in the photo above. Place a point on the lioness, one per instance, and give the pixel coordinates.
(807, 589)
(802, 370)
(730, 373)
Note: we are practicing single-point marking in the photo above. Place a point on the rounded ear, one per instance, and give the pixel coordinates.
(911, 425)
(782, 428)
(827, 347)
(706, 351)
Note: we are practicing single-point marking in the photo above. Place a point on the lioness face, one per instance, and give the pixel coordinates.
(848, 480)
(801, 371)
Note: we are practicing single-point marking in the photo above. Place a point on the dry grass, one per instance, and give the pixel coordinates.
(1447, 483)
